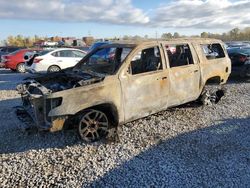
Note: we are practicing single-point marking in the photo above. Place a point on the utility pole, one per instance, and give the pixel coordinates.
(156, 35)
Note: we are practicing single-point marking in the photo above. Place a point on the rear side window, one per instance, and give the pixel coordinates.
(179, 55)
(63, 53)
(78, 53)
(213, 51)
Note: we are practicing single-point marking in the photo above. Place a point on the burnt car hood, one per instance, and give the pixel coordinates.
(54, 82)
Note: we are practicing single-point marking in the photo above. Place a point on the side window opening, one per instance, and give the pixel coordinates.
(213, 51)
(147, 60)
(56, 54)
(179, 55)
(66, 53)
(78, 54)
(63, 53)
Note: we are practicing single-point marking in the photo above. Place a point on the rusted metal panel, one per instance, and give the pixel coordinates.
(134, 96)
(57, 124)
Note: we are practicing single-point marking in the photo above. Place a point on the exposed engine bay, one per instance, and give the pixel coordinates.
(57, 82)
(36, 95)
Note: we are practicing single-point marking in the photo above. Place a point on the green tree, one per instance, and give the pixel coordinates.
(234, 33)
(166, 36)
(176, 35)
(204, 35)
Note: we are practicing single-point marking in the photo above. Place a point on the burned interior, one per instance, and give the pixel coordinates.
(118, 83)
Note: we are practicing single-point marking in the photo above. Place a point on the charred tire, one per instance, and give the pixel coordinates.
(93, 125)
(20, 68)
(210, 96)
(54, 68)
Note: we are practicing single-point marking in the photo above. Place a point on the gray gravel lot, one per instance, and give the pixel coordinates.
(188, 146)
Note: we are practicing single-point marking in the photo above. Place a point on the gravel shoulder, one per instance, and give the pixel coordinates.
(187, 146)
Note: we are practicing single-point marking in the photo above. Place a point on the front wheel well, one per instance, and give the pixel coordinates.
(109, 109)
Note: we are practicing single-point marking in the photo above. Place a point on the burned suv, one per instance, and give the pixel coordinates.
(120, 82)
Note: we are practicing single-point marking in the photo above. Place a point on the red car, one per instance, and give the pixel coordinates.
(15, 61)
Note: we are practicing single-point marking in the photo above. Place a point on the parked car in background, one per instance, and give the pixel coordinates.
(98, 44)
(237, 44)
(240, 58)
(30, 56)
(56, 60)
(15, 60)
(83, 48)
(107, 53)
(7, 50)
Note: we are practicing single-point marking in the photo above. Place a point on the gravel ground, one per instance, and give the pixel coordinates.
(186, 146)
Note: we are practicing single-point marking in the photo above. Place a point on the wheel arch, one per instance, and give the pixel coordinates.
(18, 65)
(52, 66)
(109, 109)
(214, 80)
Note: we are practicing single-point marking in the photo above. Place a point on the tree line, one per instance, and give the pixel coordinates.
(21, 41)
(235, 34)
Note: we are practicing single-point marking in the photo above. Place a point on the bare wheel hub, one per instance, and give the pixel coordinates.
(93, 126)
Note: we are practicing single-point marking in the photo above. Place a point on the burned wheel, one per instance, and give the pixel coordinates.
(93, 126)
(210, 96)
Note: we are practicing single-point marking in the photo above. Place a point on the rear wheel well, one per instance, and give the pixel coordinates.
(214, 80)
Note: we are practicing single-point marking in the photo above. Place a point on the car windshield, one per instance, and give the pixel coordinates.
(14, 53)
(246, 51)
(239, 50)
(106, 60)
(97, 44)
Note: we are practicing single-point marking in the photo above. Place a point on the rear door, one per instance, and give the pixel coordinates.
(184, 73)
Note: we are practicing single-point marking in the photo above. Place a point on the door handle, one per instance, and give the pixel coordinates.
(195, 70)
(164, 78)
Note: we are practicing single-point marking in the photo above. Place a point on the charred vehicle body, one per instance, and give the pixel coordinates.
(127, 82)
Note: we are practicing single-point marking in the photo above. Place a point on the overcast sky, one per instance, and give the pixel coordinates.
(108, 18)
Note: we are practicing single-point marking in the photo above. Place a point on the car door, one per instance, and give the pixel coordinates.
(144, 83)
(65, 59)
(184, 73)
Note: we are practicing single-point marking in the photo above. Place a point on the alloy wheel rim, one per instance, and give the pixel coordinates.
(93, 126)
(21, 68)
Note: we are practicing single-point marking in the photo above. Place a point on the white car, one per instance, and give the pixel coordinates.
(56, 60)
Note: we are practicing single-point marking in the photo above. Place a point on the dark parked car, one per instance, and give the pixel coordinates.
(240, 58)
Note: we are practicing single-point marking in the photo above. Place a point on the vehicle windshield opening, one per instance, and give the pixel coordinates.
(106, 60)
